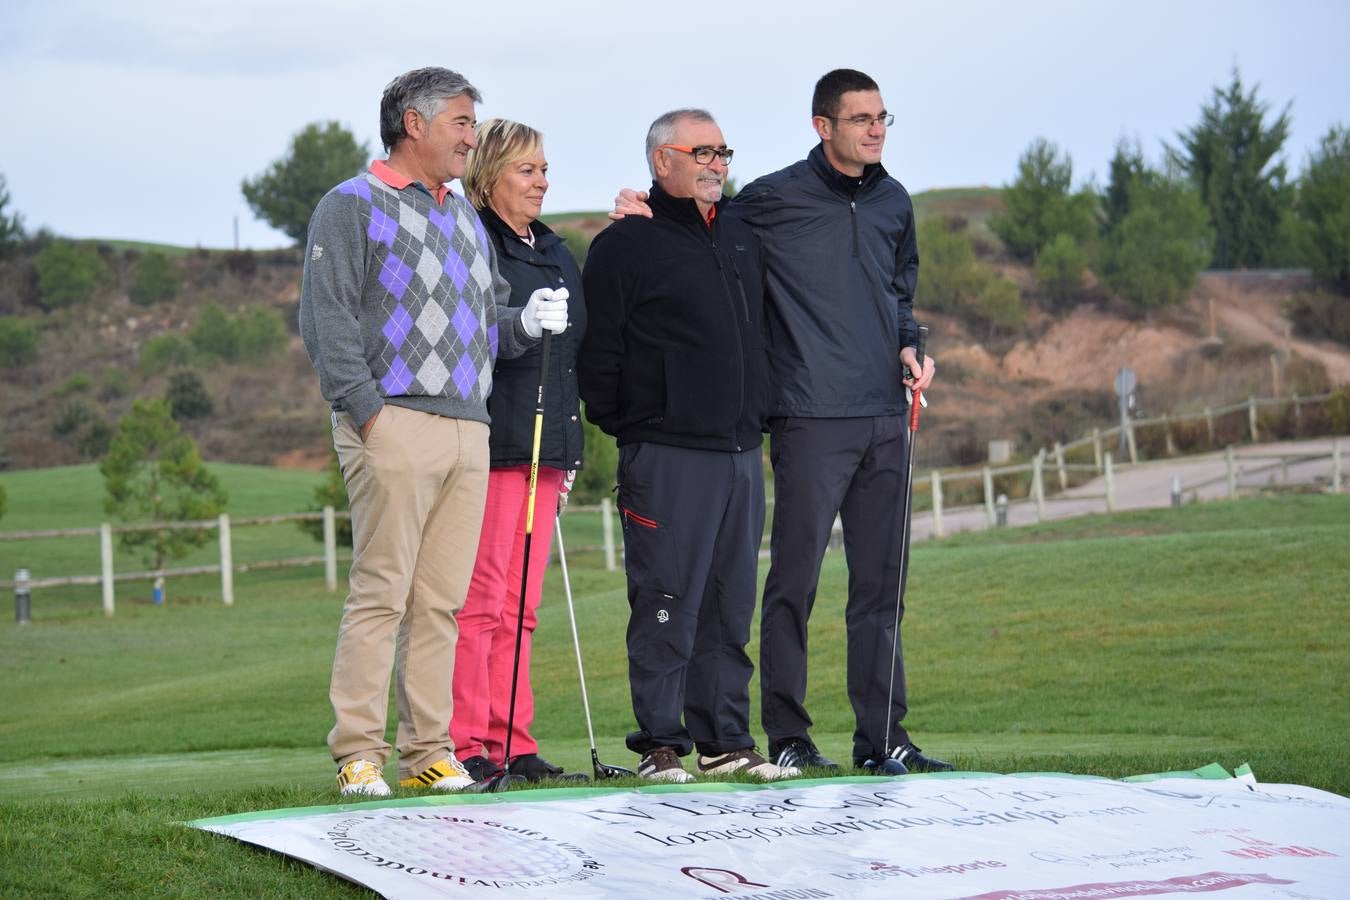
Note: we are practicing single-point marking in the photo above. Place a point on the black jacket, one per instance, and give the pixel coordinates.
(515, 382)
(842, 268)
(675, 353)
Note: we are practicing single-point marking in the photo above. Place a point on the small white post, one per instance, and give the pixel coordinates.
(1130, 442)
(106, 552)
(1167, 436)
(935, 478)
(607, 525)
(1109, 474)
(226, 561)
(329, 548)
(988, 495)
(1176, 491)
(1251, 416)
(1298, 414)
(1097, 449)
(1038, 485)
(1232, 471)
(1059, 463)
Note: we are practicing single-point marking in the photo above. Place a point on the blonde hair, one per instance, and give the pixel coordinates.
(501, 142)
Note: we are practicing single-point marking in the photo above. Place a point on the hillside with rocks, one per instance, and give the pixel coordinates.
(1049, 380)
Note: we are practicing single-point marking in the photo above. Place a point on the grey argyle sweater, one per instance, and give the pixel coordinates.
(402, 303)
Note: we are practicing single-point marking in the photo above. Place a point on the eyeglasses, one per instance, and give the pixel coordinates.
(886, 120)
(703, 155)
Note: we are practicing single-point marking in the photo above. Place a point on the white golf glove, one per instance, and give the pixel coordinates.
(546, 309)
(565, 489)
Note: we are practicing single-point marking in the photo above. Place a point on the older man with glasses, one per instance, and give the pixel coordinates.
(842, 266)
(673, 366)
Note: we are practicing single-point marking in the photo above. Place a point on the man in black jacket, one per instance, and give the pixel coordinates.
(842, 264)
(673, 367)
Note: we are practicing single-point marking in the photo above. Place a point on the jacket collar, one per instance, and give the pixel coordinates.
(683, 209)
(838, 180)
(510, 242)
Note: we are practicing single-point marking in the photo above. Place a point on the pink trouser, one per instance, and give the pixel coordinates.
(487, 623)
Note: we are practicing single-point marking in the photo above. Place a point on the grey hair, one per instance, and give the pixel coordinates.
(424, 90)
(663, 129)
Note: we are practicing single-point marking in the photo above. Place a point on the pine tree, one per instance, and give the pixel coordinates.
(1232, 157)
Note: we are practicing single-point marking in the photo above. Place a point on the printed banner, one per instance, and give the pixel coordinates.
(983, 837)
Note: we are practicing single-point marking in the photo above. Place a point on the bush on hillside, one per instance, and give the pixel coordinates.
(164, 352)
(253, 334)
(1038, 205)
(1059, 270)
(71, 417)
(1324, 205)
(187, 396)
(156, 280)
(1320, 315)
(18, 343)
(1152, 257)
(68, 274)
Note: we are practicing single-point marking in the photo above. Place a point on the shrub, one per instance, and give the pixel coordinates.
(71, 417)
(78, 383)
(332, 492)
(156, 280)
(1152, 257)
(18, 343)
(68, 274)
(187, 396)
(1000, 304)
(1320, 315)
(94, 441)
(114, 383)
(163, 352)
(1059, 269)
(256, 333)
(1038, 205)
(601, 458)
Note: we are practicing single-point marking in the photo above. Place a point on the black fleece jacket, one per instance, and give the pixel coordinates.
(674, 352)
(843, 264)
(515, 382)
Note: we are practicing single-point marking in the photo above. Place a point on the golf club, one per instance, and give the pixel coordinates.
(602, 771)
(915, 402)
(502, 780)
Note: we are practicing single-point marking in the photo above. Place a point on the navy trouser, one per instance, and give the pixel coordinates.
(692, 523)
(856, 467)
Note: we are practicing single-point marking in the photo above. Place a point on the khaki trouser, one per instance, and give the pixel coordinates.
(416, 489)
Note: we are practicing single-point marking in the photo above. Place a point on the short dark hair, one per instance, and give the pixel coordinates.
(832, 87)
(424, 90)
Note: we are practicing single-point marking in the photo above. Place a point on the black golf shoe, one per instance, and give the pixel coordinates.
(908, 758)
(483, 770)
(533, 767)
(800, 753)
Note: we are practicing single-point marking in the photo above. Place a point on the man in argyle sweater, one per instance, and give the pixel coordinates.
(403, 313)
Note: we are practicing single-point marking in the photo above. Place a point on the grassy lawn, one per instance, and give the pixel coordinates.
(1143, 642)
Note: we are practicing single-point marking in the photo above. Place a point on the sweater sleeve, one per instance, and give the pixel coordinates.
(511, 337)
(330, 305)
(600, 359)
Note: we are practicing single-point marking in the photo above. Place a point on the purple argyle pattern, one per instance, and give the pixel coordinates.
(428, 256)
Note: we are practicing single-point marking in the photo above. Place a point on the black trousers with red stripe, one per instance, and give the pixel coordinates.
(692, 524)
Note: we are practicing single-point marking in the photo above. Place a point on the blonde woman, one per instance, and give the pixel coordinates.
(506, 180)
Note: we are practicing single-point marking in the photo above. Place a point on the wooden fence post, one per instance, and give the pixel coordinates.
(1038, 485)
(988, 477)
(226, 561)
(1110, 477)
(1167, 436)
(106, 554)
(1209, 424)
(1298, 415)
(329, 548)
(935, 477)
(1097, 449)
(1232, 472)
(1251, 416)
(1059, 463)
(607, 525)
(1130, 442)
(1335, 465)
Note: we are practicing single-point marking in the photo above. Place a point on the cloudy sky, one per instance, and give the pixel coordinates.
(138, 119)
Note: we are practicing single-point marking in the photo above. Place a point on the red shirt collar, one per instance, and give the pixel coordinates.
(380, 169)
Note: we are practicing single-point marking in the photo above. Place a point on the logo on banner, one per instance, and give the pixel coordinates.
(726, 881)
(479, 852)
